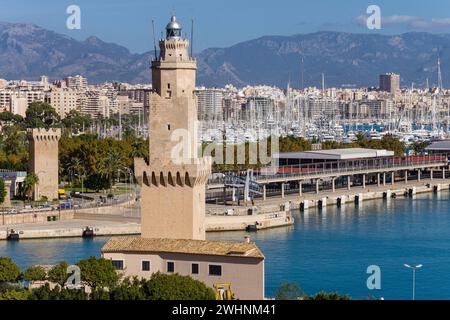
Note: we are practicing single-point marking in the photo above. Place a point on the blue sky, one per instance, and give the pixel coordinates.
(220, 23)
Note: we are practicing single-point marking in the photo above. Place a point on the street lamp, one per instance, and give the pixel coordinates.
(414, 277)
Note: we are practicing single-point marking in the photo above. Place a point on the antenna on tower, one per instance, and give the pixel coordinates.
(154, 38)
(192, 37)
(439, 74)
(302, 74)
(323, 82)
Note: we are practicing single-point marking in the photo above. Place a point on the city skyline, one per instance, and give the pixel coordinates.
(212, 20)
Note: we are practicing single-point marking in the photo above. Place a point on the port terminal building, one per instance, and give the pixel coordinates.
(320, 156)
(327, 170)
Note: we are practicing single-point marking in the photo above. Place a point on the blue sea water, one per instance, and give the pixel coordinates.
(326, 250)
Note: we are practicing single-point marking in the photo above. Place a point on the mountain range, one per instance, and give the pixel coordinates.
(28, 51)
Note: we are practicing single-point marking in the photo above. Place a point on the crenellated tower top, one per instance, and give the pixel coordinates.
(43, 134)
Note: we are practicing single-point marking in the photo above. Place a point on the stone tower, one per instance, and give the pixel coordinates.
(43, 149)
(173, 182)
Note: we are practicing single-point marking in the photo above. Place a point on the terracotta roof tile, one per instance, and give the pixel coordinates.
(138, 244)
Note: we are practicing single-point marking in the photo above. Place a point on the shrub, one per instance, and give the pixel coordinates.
(9, 271)
(176, 287)
(34, 273)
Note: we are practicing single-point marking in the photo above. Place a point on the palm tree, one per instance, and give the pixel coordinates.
(76, 166)
(28, 185)
(110, 165)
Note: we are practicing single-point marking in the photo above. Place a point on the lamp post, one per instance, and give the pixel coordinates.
(414, 278)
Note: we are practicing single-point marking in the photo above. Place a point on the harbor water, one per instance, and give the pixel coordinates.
(327, 250)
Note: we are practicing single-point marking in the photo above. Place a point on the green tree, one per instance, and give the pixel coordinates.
(98, 273)
(129, 289)
(389, 142)
(27, 187)
(34, 273)
(97, 182)
(57, 293)
(77, 168)
(14, 141)
(58, 274)
(2, 191)
(76, 121)
(176, 287)
(110, 165)
(9, 271)
(41, 115)
(328, 296)
(289, 291)
(419, 146)
(15, 295)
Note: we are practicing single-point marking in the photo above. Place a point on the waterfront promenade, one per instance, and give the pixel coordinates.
(269, 213)
(355, 195)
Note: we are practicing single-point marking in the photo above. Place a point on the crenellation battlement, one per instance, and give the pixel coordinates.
(43, 134)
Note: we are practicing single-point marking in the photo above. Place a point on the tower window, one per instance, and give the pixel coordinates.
(168, 86)
(168, 126)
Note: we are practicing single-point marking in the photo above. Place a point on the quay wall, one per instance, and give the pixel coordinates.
(66, 214)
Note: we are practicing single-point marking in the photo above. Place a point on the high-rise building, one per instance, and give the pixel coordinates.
(210, 103)
(94, 104)
(390, 82)
(18, 105)
(77, 83)
(62, 100)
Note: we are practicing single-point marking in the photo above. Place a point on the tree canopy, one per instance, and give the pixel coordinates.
(2, 191)
(58, 274)
(41, 115)
(34, 273)
(98, 273)
(177, 287)
(9, 271)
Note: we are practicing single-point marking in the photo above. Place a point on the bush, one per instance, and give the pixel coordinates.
(58, 274)
(9, 271)
(289, 291)
(176, 287)
(45, 293)
(129, 290)
(98, 273)
(34, 273)
(328, 296)
(2, 191)
(15, 295)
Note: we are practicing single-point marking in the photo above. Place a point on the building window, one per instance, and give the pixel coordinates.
(215, 270)
(194, 268)
(145, 265)
(168, 86)
(170, 267)
(117, 264)
(168, 127)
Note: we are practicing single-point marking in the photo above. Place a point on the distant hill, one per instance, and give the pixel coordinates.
(346, 59)
(28, 51)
